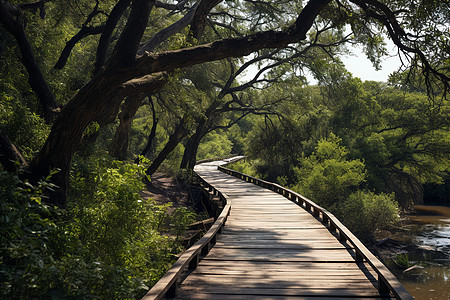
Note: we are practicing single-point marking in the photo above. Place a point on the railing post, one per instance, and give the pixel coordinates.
(316, 212)
(332, 226)
(324, 219)
(308, 206)
(359, 257)
(342, 236)
(383, 288)
(194, 262)
(206, 248)
(172, 291)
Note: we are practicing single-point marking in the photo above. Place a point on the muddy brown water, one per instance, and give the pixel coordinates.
(429, 229)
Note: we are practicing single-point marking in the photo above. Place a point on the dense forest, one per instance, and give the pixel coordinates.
(97, 96)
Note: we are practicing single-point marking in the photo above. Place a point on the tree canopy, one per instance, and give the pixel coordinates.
(118, 50)
(96, 96)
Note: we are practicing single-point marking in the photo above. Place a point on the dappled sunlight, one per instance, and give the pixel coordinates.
(271, 247)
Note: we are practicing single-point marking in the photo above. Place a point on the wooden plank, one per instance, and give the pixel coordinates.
(203, 296)
(254, 274)
(288, 265)
(242, 278)
(322, 292)
(320, 246)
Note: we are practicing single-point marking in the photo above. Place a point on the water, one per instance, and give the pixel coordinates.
(430, 231)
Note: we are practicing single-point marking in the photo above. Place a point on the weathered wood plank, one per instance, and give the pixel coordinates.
(322, 292)
(296, 245)
(202, 296)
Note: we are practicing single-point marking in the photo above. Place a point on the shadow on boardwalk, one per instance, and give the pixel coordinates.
(273, 249)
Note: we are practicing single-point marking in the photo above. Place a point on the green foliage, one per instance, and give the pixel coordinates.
(364, 212)
(245, 166)
(110, 243)
(214, 144)
(326, 176)
(26, 130)
(402, 261)
(26, 228)
(401, 137)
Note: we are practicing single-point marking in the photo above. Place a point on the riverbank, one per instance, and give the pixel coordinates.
(418, 251)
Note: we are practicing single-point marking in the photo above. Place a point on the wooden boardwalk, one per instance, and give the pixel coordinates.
(271, 248)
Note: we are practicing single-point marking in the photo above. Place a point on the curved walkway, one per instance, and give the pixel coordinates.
(273, 249)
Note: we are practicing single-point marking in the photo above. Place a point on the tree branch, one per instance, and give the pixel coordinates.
(167, 32)
(128, 43)
(12, 19)
(105, 38)
(34, 7)
(387, 17)
(84, 32)
(200, 18)
(234, 47)
(196, 17)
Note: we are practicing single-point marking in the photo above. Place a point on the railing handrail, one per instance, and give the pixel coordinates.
(201, 161)
(387, 282)
(167, 284)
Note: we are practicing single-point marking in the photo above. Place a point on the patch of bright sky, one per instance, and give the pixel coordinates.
(357, 63)
(360, 66)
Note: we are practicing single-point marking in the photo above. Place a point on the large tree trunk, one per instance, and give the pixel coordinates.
(190, 151)
(176, 137)
(87, 106)
(98, 101)
(120, 143)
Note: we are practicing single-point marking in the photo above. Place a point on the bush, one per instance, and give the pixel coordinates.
(365, 212)
(214, 145)
(326, 176)
(26, 228)
(245, 166)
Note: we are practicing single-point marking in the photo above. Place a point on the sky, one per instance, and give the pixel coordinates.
(360, 66)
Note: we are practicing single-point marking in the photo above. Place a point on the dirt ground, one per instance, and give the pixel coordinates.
(164, 189)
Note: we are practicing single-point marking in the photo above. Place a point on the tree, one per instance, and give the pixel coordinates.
(401, 137)
(95, 101)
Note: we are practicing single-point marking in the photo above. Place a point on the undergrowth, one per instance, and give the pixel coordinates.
(109, 243)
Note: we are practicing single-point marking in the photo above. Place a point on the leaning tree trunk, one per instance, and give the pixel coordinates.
(120, 143)
(190, 152)
(87, 106)
(176, 137)
(98, 101)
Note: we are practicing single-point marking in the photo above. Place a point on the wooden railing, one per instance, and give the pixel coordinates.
(387, 282)
(167, 285)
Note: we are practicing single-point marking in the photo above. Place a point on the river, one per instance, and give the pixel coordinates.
(429, 277)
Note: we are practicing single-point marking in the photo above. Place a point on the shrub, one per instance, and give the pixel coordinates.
(326, 176)
(365, 212)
